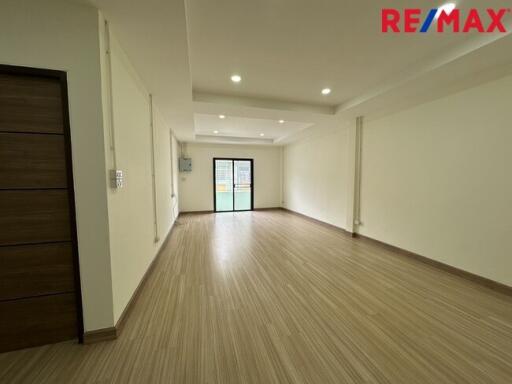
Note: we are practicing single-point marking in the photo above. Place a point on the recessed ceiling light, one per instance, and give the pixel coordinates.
(281, 121)
(236, 78)
(262, 134)
(447, 8)
(215, 132)
(326, 91)
(222, 116)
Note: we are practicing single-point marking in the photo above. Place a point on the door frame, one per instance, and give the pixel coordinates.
(61, 76)
(233, 159)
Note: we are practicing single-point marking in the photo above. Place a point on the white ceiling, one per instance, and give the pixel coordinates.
(286, 51)
(244, 127)
(291, 49)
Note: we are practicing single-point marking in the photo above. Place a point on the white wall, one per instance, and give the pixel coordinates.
(63, 35)
(315, 175)
(134, 240)
(196, 187)
(436, 180)
(115, 228)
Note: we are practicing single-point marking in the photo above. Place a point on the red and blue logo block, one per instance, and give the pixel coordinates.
(414, 20)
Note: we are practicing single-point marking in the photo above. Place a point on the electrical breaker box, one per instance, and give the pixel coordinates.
(185, 164)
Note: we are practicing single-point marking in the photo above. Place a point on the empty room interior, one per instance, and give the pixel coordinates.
(256, 191)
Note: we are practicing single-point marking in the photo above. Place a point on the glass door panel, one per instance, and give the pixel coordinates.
(224, 198)
(243, 185)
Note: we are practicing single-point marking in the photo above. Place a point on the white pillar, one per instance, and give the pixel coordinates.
(354, 174)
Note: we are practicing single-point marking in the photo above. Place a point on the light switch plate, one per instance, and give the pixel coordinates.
(116, 178)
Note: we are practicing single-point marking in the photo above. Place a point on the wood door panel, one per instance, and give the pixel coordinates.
(34, 216)
(34, 270)
(39, 320)
(32, 161)
(40, 299)
(30, 104)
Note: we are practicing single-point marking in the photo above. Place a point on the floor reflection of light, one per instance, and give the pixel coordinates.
(223, 244)
(228, 236)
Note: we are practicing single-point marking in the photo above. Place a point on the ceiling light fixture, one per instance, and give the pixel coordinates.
(326, 91)
(236, 78)
(262, 134)
(281, 121)
(446, 8)
(215, 132)
(222, 116)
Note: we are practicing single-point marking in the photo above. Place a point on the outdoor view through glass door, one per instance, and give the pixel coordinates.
(233, 185)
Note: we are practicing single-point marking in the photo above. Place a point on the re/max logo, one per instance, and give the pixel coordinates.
(475, 20)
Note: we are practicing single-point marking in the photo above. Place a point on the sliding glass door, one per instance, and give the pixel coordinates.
(233, 184)
(243, 184)
(223, 174)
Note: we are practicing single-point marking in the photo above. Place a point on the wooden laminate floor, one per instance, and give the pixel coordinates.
(269, 297)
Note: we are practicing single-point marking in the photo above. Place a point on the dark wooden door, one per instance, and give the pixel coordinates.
(39, 281)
